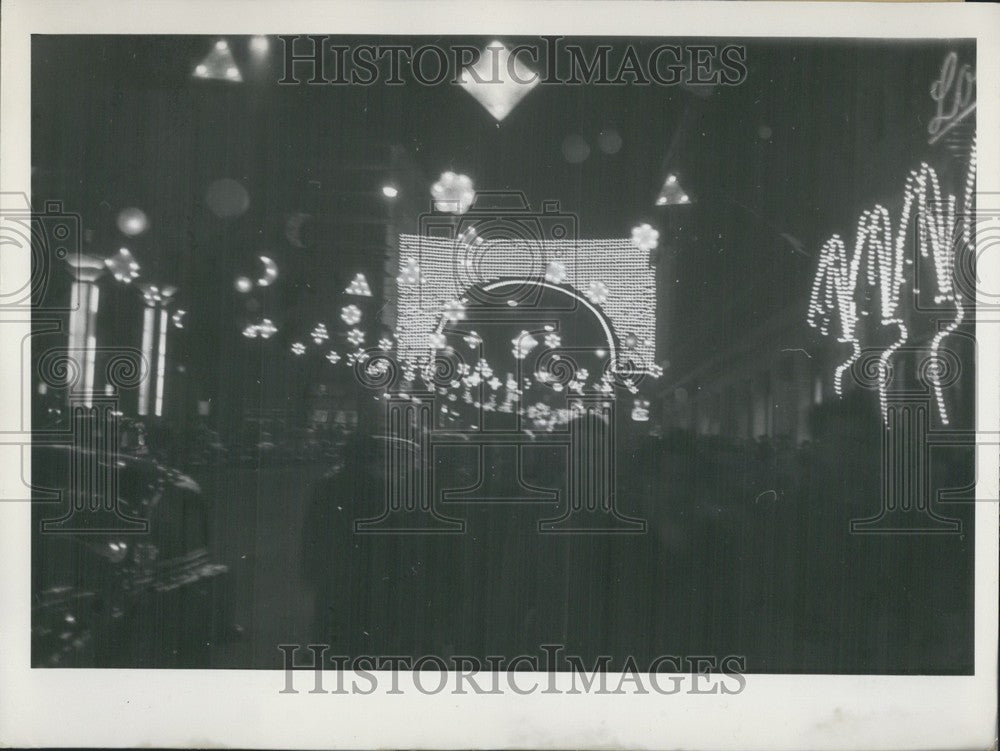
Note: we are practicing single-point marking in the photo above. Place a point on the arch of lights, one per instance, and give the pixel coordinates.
(880, 248)
(614, 276)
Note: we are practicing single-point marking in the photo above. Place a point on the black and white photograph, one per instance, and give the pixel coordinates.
(432, 365)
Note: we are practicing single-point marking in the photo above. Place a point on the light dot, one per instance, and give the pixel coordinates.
(259, 45)
(389, 191)
(201, 70)
(221, 45)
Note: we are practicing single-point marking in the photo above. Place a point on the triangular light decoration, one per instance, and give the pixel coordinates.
(672, 194)
(218, 64)
(494, 85)
(359, 286)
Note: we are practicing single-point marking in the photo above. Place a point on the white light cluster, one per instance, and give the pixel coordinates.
(453, 193)
(298, 348)
(319, 333)
(645, 238)
(350, 314)
(359, 286)
(881, 249)
(122, 266)
(624, 284)
(265, 329)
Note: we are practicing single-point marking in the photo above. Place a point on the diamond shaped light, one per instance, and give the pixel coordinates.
(497, 82)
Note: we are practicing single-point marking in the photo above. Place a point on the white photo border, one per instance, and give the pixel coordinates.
(200, 708)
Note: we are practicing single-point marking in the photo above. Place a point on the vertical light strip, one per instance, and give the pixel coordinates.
(76, 343)
(147, 356)
(161, 362)
(90, 355)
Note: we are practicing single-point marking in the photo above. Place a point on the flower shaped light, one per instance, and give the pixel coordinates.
(410, 273)
(356, 337)
(333, 357)
(298, 348)
(453, 193)
(553, 341)
(523, 344)
(645, 237)
(350, 314)
(597, 292)
(555, 272)
(453, 310)
(122, 266)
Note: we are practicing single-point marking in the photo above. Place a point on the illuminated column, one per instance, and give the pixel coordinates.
(408, 482)
(155, 323)
(84, 301)
(591, 472)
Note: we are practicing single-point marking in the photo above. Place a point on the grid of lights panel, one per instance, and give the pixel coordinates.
(835, 290)
(612, 275)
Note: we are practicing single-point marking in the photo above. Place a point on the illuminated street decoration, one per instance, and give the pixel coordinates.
(350, 314)
(242, 284)
(178, 318)
(640, 410)
(523, 344)
(298, 348)
(270, 272)
(132, 221)
(472, 340)
(356, 337)
(498, 82)
(453, 193)
(645, 237)
(555, 272)
(359, 286)
(453, 310)
(333, 357)
(626, 285)
(219, 64)
(672, 194)
(553, 340)
(123, 267)
(881, 250)
(154, 346)
(597, 292)
(265, 329)
(84, 303)
(319, 333)
(385, 344)
(410, 275)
